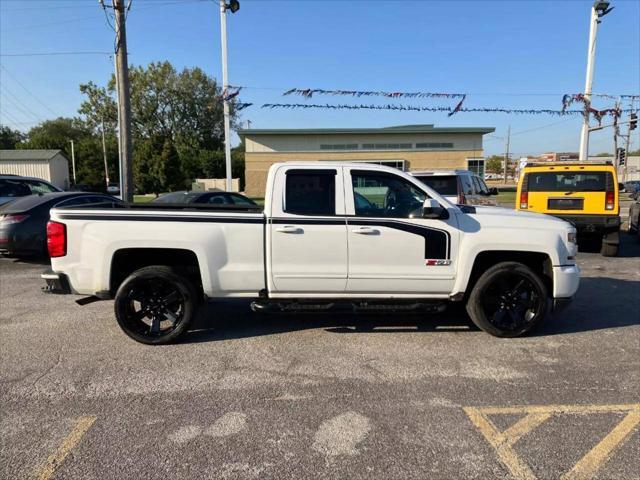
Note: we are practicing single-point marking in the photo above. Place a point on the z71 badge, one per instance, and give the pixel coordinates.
(430, 262)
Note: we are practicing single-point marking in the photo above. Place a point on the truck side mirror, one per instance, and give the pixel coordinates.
(493, 191)
(432, 209)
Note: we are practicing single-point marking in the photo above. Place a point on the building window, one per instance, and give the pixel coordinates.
(476, 165)
(399, 164)
(339, 146)
(434, 145)
(386, 146)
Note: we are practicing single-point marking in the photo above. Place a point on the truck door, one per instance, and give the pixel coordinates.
(307, 232)
(392, 249)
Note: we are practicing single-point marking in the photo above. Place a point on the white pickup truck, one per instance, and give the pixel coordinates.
(331, 234)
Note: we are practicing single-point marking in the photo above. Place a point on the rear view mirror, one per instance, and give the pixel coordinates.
(621, 187)
(432, 209)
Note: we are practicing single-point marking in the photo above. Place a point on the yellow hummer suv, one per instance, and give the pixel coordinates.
(583, 193)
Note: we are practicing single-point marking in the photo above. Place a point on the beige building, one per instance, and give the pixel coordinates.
(407, 147)
(49, 165)
(559, 157)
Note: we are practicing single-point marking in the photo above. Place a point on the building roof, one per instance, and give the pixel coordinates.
(30, 155)
(427, 128)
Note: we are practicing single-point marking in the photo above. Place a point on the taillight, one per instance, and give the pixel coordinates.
(524, 192)
(56, 239)
(610, 201)
(11, 218)
(462, 200)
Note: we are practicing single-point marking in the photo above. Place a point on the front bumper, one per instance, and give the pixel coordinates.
(587, 224)
(56, 283)
(566, 280)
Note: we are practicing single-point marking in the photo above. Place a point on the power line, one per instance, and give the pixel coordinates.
(46, 54)
(18, 103)
(27, 90)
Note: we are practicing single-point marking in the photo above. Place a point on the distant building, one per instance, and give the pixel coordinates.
(49, 165)
(559, 157)
(407, 147)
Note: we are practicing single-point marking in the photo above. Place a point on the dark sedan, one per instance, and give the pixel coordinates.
(215, 198)
(23, 222)
(634, 215)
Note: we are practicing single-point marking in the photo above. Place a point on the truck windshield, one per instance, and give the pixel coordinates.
(443, 184)
(569, 181)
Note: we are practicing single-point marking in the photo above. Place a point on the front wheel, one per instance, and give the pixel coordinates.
(155, 305)
(508, 300)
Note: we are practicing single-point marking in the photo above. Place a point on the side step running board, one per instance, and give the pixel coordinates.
(267, 305)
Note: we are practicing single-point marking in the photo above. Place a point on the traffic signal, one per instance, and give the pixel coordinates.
(622, 156)
(633, 121)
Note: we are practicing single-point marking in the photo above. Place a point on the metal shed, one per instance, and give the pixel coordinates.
(50, 165)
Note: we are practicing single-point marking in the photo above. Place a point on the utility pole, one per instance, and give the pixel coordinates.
(598, 10)
(124, 103)
(628, 142)
(234, 6)
(616, 132)
(506, 156)
(73, 161)
(104, 156)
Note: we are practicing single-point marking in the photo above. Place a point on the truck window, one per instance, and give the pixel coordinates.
(384, 195)
(467, 185)
(311, 192)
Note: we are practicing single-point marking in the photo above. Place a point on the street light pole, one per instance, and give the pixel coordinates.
(73, 161)
(598, 10)
(225, 88)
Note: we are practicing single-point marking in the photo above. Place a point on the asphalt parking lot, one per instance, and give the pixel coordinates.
(322, 396)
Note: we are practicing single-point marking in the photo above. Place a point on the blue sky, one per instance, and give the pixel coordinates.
(511, 54)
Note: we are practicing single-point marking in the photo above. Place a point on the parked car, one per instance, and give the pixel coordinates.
(583, 193)
(23, 222)
(632, 186)
(317, 245)
(210, 197)
(461, 187)
(15, 186)
(113, 188)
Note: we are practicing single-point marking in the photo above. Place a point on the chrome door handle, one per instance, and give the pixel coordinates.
(289, 229)
(365, 231)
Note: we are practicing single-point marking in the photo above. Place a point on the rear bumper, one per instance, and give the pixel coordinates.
(600, 224)
(560, 304)
(57, 283)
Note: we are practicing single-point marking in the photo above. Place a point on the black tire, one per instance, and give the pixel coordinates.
(155, 305)
(609, 249)
(508, 300)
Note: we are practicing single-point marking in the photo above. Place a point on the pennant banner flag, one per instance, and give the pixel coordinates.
(309, 92)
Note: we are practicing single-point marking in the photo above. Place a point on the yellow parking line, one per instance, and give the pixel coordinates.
(587, 466)
(498, 441)
(593, 460)
(55, 459)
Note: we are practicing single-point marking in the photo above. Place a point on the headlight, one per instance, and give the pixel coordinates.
(571, 237)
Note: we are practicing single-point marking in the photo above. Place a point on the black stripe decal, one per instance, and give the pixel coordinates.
(437, 242)
(168, 218)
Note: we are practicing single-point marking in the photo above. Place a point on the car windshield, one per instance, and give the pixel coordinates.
(443, 184)
(569, 181)
(21, 188)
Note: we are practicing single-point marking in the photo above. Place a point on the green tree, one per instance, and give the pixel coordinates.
(494, 164)
(10, 138)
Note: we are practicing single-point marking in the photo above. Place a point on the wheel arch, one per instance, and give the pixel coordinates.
(539, 262)
(125, 261)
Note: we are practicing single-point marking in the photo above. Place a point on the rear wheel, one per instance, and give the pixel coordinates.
(632, 229)
(155, 305)
(610, 245)
(508, 300)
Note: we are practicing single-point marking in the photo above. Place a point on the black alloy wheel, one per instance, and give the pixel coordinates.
(508, 300)
(155, 305)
